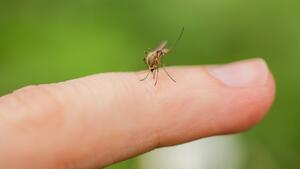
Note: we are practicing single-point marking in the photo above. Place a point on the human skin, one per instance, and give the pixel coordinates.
(101, 119)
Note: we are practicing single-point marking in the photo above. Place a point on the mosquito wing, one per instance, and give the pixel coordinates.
(161, 45)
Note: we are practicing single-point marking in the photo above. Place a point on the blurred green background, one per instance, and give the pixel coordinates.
(43, 41)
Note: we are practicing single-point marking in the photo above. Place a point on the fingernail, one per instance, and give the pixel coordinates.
(247, 73)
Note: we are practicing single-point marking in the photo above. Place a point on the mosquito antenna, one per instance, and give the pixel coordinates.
(179, 37)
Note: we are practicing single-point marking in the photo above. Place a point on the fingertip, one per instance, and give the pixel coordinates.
(251, 106)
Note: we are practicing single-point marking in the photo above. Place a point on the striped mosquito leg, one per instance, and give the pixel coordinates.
(145, 77)
(168, 74)
(154, 73)
(157, 72)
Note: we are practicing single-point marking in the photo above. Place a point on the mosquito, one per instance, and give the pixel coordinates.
(153, 59)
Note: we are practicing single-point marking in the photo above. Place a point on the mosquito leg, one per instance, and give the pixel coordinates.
(163, 66)
(157, 72)
(154, 73)
(145, 77)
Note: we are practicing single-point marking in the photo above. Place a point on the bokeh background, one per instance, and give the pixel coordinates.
(43, 41)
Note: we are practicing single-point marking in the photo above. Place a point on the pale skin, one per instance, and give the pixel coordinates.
(98, 120)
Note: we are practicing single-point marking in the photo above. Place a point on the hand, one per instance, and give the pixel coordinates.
(102, 119)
